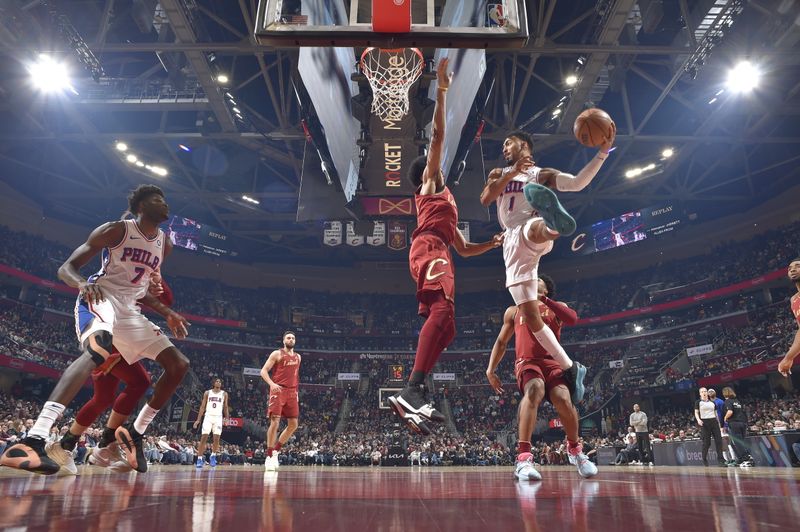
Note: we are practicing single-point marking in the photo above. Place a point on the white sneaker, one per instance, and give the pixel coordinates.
(271, 463)
(525, 470)
(275, 461)
(585, 466)
(105, 456)
(120, 466)
(61, 457)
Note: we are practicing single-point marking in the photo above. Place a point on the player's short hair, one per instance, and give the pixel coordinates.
(523, 136)
(712, 391)
(288, 333)
(215, 379)
(550, 284)
(794, 260)
(415, 171)
(141, 193)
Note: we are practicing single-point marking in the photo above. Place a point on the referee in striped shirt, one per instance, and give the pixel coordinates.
(705, 412)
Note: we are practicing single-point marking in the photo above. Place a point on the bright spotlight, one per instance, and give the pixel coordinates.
(49, 76)
(131, 158)
(637, 328)
(633, 172)
(140, 164)
(556, 112)
(571, 80)
(667, 153)
(158, 170)
(121, 146)
(223, 78)
(744, 77)
(184, 147)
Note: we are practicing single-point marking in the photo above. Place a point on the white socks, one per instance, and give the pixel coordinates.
(146, 415)
(550, 343)
(47, 417)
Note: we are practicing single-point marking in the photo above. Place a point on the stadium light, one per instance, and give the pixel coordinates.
(140, 164)
(744, 77)
(571, 80)
(184, 147)
(121, 146)
(131, 158)
(637, 328)
(667, 153)
(159, 170)
(248, 199)
(223, 78)
(633, 172)
(556, 112)
(49, 76)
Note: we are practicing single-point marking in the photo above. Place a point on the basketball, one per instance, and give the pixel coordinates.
(592, 126)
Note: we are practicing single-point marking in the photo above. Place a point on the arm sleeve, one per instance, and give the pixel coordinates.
(562, 311)
(576, 183)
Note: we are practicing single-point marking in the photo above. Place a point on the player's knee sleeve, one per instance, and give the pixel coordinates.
(126, 402)
(99, 346)
(89, 413)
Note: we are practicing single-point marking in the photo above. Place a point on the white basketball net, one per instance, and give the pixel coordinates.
(391, 73)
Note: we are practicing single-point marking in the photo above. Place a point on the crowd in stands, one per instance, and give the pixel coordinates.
(364, 323)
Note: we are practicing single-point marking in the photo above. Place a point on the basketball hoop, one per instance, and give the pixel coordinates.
(391, 73)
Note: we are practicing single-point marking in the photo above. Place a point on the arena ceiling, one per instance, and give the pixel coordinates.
(656, 66)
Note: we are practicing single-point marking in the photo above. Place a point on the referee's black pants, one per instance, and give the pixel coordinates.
(711, 428)
(737, 430)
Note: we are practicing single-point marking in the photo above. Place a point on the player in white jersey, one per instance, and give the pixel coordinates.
(215, 407)
(106, 313)
(533, 218)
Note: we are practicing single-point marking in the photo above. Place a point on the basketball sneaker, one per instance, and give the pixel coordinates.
(574, 377)
(130, 441)
(585, 466)
(120, 466)
(545, 202)
(413, 407)
(746, 463)
(213, 460)
(200, 462)
(62, 457)
(271, 463)
(105, 456)
(29, 455)
(525, 469)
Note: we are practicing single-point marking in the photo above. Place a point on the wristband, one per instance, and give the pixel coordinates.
(443, 89)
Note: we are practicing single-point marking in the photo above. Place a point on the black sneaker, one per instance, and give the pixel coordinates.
(574, 377)
(29, 455)
(412, 406)
(130, 441)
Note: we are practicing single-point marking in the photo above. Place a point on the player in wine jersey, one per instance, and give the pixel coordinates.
(431, 267)
(215, 408)
(533, 218)
(283, 401)
(107, 316)
(785, 365)
(539, 376)
(105, 380)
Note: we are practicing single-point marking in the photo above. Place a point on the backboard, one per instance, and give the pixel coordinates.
(434, 23)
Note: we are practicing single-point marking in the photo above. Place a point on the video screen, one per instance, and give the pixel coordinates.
(625, 229)
(196, 236)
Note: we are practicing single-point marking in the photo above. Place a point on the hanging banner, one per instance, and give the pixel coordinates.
(444, 377)
(378, 236)
(614, 364)
(353, 239)
(398, 238)
(332, 234)
(348, 376)
(251, 372)
(699, 350)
